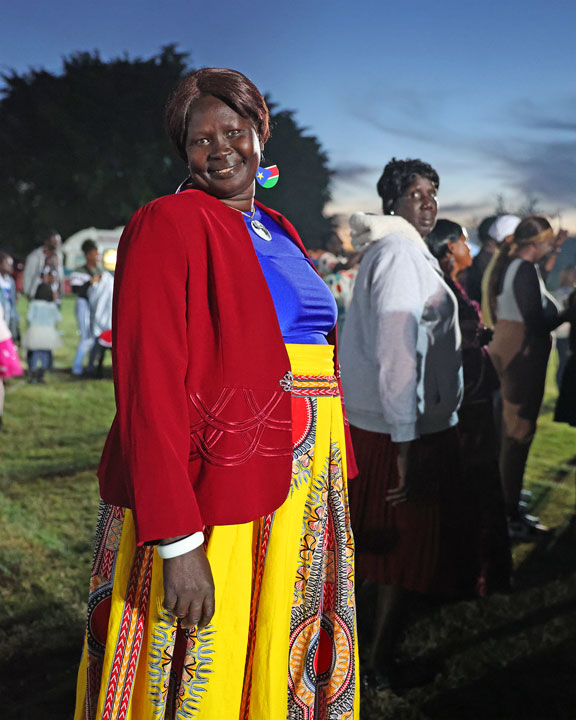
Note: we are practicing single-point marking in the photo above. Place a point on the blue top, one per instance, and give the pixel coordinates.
(305, 307)
(43, 313)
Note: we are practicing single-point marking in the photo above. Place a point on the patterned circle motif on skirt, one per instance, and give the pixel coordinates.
(304, 419)
(328, 659)
(321, 657)
(99, 605)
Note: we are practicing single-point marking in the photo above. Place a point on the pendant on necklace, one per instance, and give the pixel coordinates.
(261, 230)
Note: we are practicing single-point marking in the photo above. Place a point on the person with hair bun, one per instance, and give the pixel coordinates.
(402, 377)
(525, 314)
(223, 577)
(482, 490)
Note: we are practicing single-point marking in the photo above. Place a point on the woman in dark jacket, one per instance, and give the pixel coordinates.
(482, 490)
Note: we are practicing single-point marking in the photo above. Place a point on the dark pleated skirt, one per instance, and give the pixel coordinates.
(423, 544)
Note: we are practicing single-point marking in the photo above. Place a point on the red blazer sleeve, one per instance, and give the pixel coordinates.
(150, 360)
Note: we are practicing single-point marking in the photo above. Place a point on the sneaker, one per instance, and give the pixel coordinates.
(526, 528)
(534, 522)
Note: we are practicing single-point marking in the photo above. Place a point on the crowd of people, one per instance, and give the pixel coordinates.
(235, 489)
(42, 283)
(443, 404)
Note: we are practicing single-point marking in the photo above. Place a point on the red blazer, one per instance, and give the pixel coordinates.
(202, 433)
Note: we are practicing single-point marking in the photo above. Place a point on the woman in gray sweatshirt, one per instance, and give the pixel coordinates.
(402, 378)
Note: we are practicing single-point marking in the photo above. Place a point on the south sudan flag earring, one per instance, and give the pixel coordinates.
(268, 177)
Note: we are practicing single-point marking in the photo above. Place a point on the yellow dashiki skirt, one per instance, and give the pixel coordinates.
(282, 642)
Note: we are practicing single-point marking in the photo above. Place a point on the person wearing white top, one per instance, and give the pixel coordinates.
(42, 337)
(81, 280)
(525, 314)
(402, 380)
(45, 265)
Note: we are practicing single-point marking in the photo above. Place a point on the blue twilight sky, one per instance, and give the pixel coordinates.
(484, 91)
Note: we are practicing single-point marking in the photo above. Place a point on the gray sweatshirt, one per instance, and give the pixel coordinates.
(400, 349)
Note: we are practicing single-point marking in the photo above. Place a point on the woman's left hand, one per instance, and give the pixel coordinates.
(399, 494)
(550, 259)
(560, 239)
(189, 588)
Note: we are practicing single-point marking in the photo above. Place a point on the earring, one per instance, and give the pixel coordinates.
(268, 177)
(182, 185)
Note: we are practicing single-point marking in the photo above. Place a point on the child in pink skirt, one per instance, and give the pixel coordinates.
(9, 361)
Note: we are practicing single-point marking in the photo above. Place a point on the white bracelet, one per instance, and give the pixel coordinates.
(191, 542)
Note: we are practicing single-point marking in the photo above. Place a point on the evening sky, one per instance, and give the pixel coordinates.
(484, 91)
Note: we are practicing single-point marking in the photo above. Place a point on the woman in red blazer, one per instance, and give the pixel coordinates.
(223, 581)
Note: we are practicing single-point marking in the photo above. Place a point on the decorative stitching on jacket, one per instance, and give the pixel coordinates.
(206, 434)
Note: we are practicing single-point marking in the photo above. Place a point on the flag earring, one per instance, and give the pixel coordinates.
(268, 177)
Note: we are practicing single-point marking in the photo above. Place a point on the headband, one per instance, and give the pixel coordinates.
(542, 237)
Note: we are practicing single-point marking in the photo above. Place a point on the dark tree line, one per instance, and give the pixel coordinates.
(88, 147)
(304, 186)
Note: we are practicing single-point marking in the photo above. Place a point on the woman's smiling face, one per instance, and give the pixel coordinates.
(223, 151)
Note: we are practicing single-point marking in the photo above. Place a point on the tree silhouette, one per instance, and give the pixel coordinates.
(528, 204)
(88, 147)
(304, 185)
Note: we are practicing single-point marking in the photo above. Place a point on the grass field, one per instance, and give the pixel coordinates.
(507, 657)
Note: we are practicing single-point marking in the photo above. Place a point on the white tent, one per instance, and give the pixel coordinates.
(107, 241)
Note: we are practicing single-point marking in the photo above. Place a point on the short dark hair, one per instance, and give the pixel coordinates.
(397, 177)
(229, 86)
(88, 245)
(48, 233)
(445, 232)
(4, 255)
(44, 292)
(484, 227)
